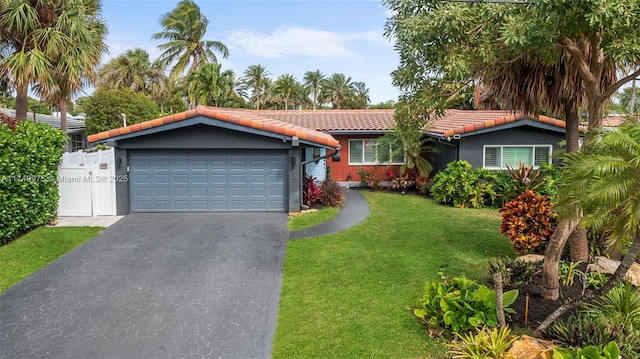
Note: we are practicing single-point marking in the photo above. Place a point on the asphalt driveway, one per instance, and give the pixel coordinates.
(155, 286)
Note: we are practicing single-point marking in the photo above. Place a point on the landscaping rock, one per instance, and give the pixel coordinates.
(531, 258)
(531, 348)
(609, 266)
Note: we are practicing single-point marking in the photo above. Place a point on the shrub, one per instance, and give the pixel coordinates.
(29, 159)
(614, 317)
(402, 183)
(610, 351)
(528, 221)
(514, 182)
(460, 305)
(514, 272)
(312, 193)
(332, 194)
(105, 106)
(485, 343)
(462, 186)
(368, 179)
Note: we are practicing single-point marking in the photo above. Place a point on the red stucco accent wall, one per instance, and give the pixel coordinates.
(340, 171)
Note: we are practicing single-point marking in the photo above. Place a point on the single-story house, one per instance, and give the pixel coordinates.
(76, 128)
(218, 159)
(211, 159)
(486, 138)
(495, 139)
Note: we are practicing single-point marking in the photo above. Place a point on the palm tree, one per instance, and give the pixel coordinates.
(361, 95)
(312, 81)
(57, 45)
(530, 85)
(205, 85)
(184, 28)
(336, 88)
(28, 41)
(602, 181)
(285, 88)
(132, 69)
(255, 77)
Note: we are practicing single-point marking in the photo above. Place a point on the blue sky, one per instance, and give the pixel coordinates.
(285, 36)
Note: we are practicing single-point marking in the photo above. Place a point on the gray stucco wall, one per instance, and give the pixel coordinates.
(470, 148)
(201, 136)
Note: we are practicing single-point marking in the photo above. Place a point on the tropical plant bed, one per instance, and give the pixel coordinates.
(530, 313)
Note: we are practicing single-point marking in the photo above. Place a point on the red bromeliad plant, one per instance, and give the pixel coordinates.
(312, 193)
(9, 121)
(528, 220)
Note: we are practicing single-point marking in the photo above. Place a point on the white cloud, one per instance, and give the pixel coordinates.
(298, 41)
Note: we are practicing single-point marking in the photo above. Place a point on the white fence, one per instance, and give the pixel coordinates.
(87, 185)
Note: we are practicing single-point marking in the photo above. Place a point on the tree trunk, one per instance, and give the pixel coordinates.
(632, 101)
(62, 107)
(550, 281)
(578, 245)
(619, 274)
(572, 124)
(21, 102)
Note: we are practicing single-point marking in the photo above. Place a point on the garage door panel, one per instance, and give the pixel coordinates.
(207, 180)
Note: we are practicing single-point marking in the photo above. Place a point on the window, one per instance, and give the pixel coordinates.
(499, 157)
(369, 152)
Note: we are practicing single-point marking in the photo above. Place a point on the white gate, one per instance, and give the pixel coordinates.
(87, 184)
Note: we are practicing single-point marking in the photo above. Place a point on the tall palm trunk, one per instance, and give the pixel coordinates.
(21, 102)
(632, 101)
(618, 275)
(62, 107)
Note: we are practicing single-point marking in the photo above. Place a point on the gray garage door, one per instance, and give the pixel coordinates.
(207, 180)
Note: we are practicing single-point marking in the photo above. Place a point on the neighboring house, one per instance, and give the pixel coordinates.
(211, 159)
(357, 131)
(76, 128)
(613, 122)
(495, 139)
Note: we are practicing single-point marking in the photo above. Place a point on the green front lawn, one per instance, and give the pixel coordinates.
(350, 294)
(27, 254)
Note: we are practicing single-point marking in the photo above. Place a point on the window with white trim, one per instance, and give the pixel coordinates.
(499, 157)
(369, 152)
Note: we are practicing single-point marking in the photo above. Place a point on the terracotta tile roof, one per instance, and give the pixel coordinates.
(457, 122)
(613, 121)
(336, 120)
(246, 118)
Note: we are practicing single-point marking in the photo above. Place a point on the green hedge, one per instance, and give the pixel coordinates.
(29, 159)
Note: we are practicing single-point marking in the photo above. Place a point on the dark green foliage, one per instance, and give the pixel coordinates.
(510, 184)
(614, 317)
(460, 305)
(33, 105)
(29, 159)
(461, 185)
(105, 107)
(514, 272)
(609, 351)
